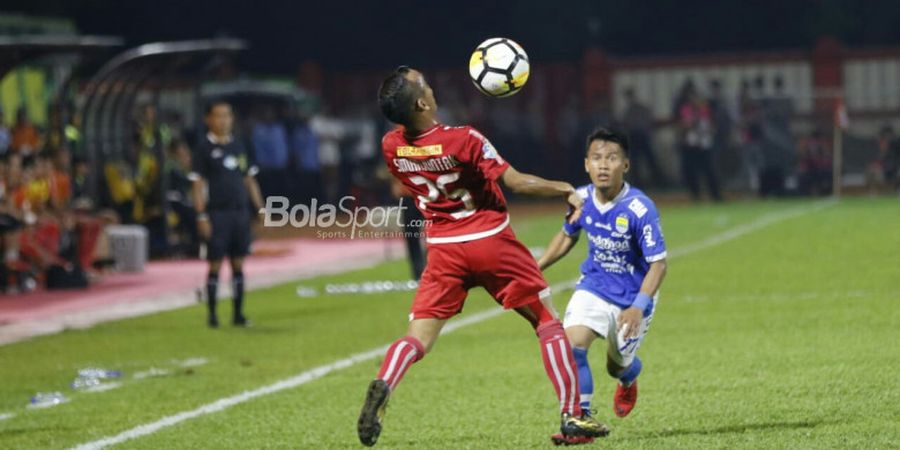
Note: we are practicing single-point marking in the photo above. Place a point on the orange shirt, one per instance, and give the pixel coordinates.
(60, 188)
(25, 137)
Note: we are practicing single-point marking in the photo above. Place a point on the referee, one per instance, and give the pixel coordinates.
(222, 168)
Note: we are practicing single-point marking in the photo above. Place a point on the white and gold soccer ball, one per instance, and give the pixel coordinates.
(499, 67)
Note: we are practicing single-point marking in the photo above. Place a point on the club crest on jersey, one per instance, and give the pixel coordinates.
(428, 150)
(216, 153)
(622, 223)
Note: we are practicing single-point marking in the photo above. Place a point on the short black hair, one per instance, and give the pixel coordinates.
(212, 105)
(609, 135)
(397, 96)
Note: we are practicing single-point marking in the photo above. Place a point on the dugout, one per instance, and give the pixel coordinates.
(161, 74)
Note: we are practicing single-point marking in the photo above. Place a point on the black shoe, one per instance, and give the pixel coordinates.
(369, 425)
(241, 321)
(584, 426)
(213, 322)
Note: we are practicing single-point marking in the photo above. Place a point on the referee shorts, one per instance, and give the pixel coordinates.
(230, 234)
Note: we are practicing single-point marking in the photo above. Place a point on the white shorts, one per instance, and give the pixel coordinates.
(587, 309)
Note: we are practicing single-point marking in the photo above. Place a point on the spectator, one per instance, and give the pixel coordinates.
(150, 134)
(59, 181)
(815, 164)
(305, 149)
(181, 205)
(778, 145)
(751, 135)
(329, 133)
(882, 172)
(695, 121)
(81, 198)
(637, 120)
(722, 120)
(270, 144)
(683, 96)
(5, 137)
(55, 135)
(148, 199)
(10, 225)
(25, 137)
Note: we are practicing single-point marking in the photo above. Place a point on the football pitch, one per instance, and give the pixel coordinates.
(777, 327)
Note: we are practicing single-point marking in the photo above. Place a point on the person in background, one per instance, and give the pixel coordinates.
(637, 121)
(815, 165)
(723, 123)
(25, 137)
(329, 133)
(10, 225)
(270, 146)
(695, 121)
(882, 171)
(5, 137)
(181, 205)
(305, 148)
(222, 167)
(751, 134)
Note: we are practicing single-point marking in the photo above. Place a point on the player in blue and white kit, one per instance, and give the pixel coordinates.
(616, 295)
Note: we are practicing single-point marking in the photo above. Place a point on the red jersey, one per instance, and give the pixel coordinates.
(452, 172)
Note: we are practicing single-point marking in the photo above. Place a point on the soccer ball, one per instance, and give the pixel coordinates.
(499, 67)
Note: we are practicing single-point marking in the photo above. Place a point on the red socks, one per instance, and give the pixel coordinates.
(560, 365)
(401, 354)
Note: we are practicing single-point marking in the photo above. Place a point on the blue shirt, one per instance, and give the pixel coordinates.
(624, 237)
(271, 144)
(305, 145)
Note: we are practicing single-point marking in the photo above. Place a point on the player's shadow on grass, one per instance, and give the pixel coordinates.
(734, 429)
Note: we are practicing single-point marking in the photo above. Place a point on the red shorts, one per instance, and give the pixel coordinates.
(499, 263)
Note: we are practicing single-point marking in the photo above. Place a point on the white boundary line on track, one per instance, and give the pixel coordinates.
(321, 371)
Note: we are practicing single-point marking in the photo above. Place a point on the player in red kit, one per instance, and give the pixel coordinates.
(454, 174)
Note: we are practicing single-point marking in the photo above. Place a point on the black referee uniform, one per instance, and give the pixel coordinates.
(224, 166)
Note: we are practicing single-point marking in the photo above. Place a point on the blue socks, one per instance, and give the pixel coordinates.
(585, 380)
(631, 373)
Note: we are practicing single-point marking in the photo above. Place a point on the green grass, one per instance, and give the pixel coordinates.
(785, 337)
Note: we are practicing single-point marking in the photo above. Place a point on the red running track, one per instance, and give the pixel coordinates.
(165, 285)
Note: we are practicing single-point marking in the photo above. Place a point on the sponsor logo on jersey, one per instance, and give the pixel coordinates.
(605, 226)
(638, 208)
(230, 162)
(216, 153)
(428, 150)
(648, 236)
(589, 220)
(442, 164)
(622, 223)
(605, 243)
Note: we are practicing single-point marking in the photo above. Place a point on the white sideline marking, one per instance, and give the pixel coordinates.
(103, 387)
(744, 229)
(321, 371)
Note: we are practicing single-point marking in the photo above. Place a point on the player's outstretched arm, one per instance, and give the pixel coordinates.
(558, 247)
(523, 183)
